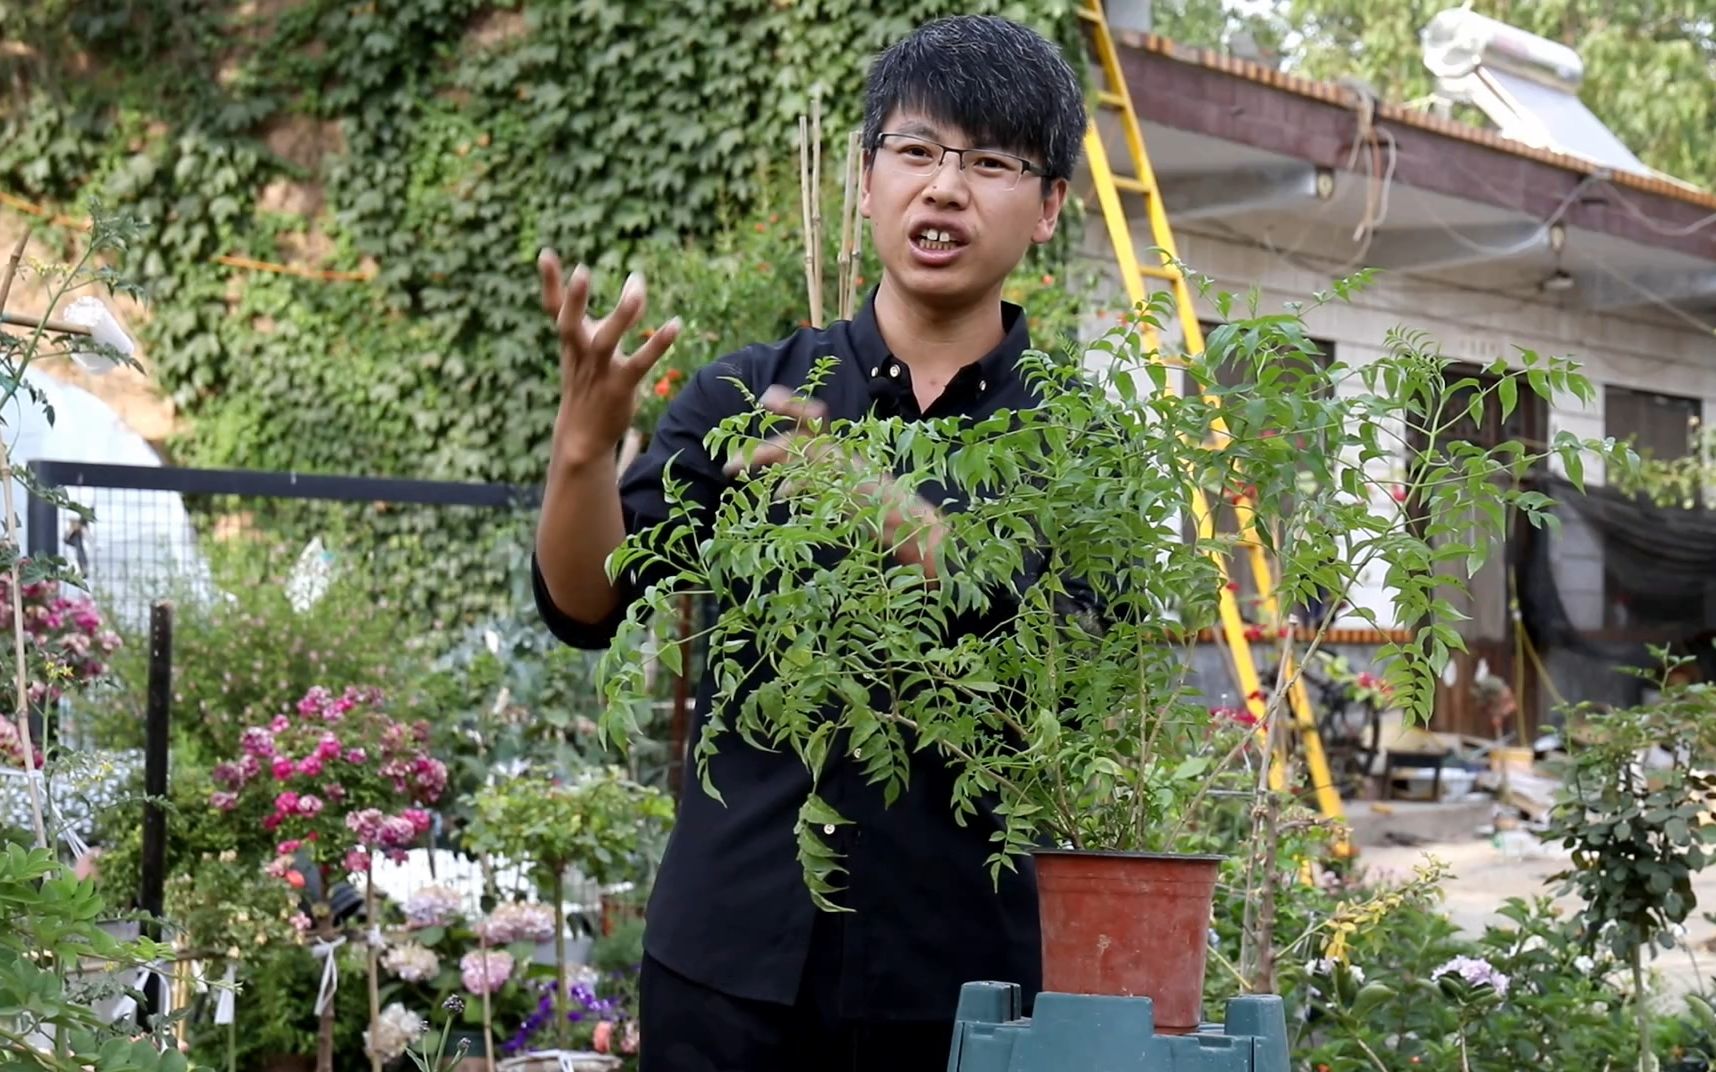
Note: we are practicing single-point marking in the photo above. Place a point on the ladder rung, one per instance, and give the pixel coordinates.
(1132, 185)
(1090, 14)
(1109, 98)
(1159, 271)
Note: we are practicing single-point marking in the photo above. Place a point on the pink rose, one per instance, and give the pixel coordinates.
(356, 756)
(366, 824)
(280, 724)
(229, 775)
(272, 823)
(287, 801)
(334, 791)
(249, 766)
(283, 768)
(421, 821)
(309, 806)
(328, 748)
(310, 766)
(397, 832)
(357, 860)
(287, 848)
(278, 867)
(257, 742)
(223, 801)
(313, 702)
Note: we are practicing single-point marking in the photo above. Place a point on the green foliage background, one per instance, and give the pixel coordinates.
(443, 142)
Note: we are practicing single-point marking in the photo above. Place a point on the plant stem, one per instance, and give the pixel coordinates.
(1368, 1052)
(20, 685)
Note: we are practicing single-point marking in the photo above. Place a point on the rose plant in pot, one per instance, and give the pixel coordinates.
(1082, 722)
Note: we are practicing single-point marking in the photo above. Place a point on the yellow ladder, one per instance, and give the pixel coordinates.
(1114, 97)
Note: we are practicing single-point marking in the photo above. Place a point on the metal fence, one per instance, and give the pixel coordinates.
(437, 547)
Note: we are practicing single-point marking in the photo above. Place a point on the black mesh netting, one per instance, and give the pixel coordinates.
(1623, 575)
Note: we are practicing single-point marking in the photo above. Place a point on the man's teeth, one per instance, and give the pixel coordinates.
(935, 239)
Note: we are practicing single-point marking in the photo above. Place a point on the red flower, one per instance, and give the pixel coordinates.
(663, 387)
(1399, 493)
(1232, 586)
(295, 879)
(1259, 695)
(1253, 633)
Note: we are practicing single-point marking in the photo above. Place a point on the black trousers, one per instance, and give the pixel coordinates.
(688, 1027)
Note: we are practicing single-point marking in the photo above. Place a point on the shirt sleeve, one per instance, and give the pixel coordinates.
(676, 451)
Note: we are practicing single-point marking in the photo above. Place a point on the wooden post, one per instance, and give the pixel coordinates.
(152, 867)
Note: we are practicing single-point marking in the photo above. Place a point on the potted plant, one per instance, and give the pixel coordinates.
(599, 823)
(1081, 721)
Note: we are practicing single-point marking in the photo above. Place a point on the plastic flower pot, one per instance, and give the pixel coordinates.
(1128, 924)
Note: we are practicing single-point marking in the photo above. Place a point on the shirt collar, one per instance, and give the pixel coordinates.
(998, 366)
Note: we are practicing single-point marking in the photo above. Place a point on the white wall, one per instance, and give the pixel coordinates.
(1636, 350)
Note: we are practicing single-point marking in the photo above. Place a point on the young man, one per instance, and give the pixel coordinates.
(972, 128)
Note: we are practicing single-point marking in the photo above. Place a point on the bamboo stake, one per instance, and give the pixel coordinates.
(21, 713)
(816, 200)
(848, 265)
(812, 292)
(856, 152)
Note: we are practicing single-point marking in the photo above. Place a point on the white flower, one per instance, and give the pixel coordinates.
(1584, 964)
(412, 962)
(1475, 971)
(395, 1029)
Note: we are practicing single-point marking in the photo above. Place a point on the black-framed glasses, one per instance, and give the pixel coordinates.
(987, 168)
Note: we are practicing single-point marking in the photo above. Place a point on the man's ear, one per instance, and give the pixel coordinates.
(1053, 201)
(864, 183)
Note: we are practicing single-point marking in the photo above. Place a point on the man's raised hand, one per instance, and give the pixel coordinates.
(598, 384)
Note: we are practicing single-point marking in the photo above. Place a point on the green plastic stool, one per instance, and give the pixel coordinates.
(1083, 1033)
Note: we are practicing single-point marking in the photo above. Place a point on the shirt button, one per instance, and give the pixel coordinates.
(828, 828)
(894, 371)
(877, 371)
(983, 385)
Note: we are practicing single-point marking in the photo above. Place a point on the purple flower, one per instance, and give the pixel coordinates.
(223, 801)
(1476, 971)
(356, 756)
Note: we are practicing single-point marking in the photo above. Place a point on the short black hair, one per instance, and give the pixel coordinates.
(1002, 83)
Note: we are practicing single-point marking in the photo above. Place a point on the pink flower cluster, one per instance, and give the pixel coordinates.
(65, 633)
(518, 921)
(339, 767)
(12, 746)
(485, 973)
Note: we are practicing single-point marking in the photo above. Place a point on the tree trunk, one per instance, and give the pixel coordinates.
(325, 1027)
(560, 994)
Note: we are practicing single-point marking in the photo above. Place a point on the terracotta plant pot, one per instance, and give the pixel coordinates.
(1129, 924)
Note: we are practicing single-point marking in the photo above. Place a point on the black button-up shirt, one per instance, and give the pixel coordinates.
(730, 909)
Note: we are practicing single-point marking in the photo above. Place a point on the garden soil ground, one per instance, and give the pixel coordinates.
(1485, 876)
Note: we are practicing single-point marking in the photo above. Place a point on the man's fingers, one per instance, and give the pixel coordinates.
(627, 312)
(644, 357)
(771, 451)
(548, 271)
(805, 413)
(573, 303)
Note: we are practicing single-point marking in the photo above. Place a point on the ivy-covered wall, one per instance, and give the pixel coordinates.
(439, 143)
(432, 146)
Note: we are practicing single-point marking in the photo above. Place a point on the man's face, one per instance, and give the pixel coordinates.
(985, 216)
